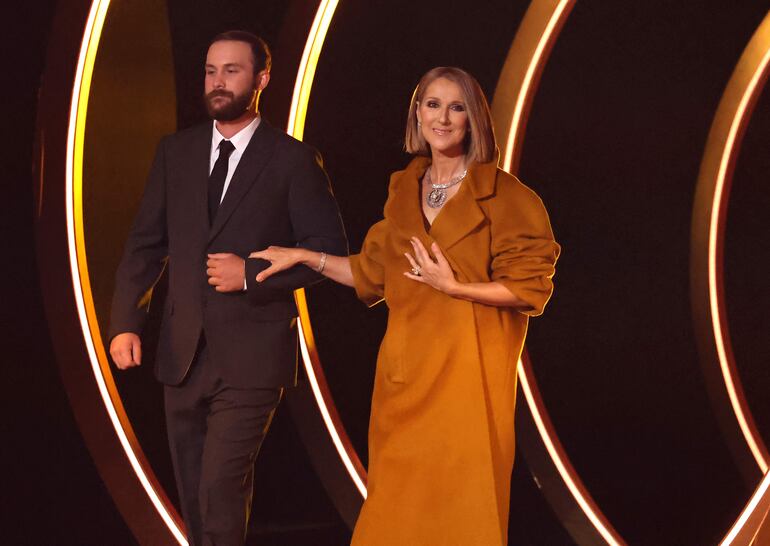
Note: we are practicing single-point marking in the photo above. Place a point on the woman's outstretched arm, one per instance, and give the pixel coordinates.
(337, 268)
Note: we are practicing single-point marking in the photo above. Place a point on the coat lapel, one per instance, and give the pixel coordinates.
(403, 206)
(255, 157)
(462, 214)
(459, 217)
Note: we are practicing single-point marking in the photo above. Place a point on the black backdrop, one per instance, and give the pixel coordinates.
(613, 146)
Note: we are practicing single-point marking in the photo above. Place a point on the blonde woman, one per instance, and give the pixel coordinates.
(463, 257)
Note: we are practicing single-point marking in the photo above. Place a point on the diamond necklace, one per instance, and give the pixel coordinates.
(437, 196)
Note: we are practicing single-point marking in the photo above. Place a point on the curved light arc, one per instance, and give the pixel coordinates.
(552, 445)
(739, 530)
(310, 357)
(535, 62)
(714, 244)
(296, 127)
(553, 14)
(307, 68)
(79, 267)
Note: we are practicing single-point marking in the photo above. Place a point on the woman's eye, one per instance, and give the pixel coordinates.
(458, 108)
(432, 104)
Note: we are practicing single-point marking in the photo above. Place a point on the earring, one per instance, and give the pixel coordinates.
(419, 123)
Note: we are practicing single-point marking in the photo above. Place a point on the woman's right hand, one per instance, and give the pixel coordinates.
(280, 258)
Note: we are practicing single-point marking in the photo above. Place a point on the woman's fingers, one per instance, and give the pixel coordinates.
(420, 253)
(268, 272)
(417, 278)
(440, 259)
(261, 254)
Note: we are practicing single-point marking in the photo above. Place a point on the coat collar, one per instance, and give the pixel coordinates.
(459, 217)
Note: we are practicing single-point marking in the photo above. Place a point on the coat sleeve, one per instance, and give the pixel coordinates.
(367, 266)
(523, 249)
(144, 254)
(316, 225)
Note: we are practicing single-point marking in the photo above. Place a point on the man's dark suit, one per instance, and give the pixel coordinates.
(278, 195)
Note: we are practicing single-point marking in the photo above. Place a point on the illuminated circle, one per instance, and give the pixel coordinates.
(510, 107)
(513, 99)
(81, 283)
(707, 279)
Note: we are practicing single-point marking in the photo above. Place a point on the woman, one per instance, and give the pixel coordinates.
(441, 439)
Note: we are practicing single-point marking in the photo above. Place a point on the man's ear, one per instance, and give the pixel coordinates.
(263, 78)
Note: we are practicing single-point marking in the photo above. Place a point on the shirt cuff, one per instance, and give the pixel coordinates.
(245, 284)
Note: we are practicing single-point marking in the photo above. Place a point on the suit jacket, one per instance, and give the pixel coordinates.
(279, 195)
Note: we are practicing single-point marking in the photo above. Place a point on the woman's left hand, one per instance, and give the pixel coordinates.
(437, 274)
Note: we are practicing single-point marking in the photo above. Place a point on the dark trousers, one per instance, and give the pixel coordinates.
(215, 432)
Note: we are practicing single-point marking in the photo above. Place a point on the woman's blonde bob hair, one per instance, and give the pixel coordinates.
(480, 143)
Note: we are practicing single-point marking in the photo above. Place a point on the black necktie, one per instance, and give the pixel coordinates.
(218, 176)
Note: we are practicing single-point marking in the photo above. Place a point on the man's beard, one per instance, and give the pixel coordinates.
(230, 110)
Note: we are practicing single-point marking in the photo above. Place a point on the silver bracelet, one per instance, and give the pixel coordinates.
(322, 263)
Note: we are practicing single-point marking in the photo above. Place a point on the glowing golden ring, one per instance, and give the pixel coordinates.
(706, 275)
(513, 98)
(525, 62)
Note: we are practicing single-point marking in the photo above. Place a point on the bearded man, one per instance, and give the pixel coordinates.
(227, 345)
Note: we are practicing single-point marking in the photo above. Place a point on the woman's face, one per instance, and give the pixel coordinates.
(443, 117)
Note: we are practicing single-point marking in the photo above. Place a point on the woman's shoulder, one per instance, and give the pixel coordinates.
(509, 186)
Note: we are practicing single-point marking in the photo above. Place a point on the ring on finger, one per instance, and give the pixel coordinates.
(416, 270)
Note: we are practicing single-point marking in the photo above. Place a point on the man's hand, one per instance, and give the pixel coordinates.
(126, 350)
(226, 272)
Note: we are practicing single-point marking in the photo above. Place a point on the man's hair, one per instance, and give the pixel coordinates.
(259, 50)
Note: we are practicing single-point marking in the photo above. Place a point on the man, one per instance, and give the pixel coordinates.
(227, 345)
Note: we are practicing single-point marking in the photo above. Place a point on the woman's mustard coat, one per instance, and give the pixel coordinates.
(441, 433)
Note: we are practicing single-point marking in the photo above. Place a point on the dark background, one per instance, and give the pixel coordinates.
(613, 147)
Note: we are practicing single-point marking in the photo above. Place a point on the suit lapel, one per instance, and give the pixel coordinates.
(199, 173)
(255, 157)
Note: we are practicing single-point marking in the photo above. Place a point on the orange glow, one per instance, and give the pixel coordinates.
(523, 95)
(307, 67)
(741, 533)
(309, 351)
(81, 283)
(296, 128)
(556, 452)
(532, 44)
(715, 242)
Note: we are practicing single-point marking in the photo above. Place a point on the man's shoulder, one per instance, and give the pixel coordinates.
(195, 132)
(186, 140)
(289, 145)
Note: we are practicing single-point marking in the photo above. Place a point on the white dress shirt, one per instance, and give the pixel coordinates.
(240, 140)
